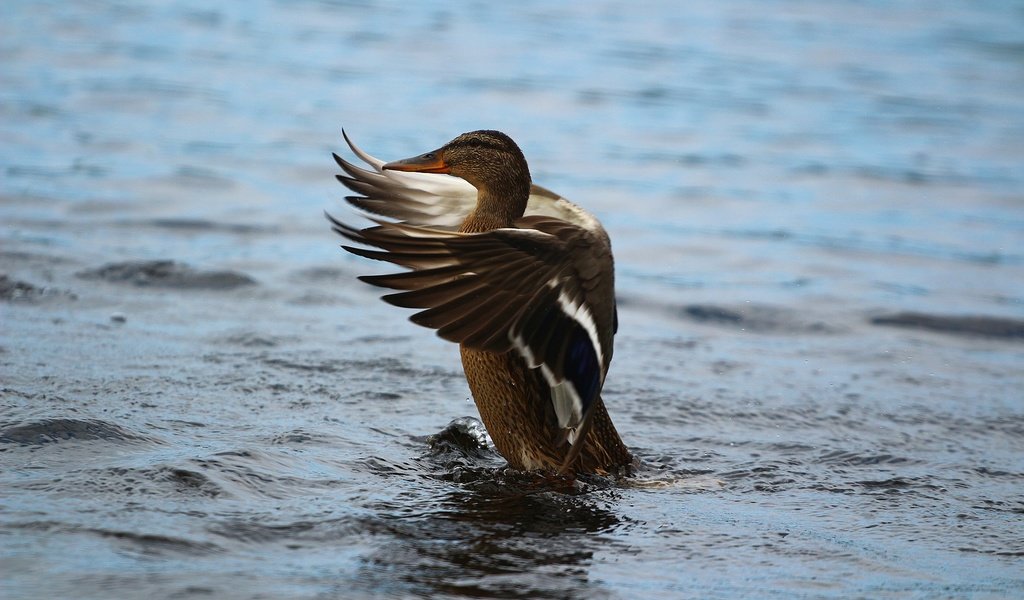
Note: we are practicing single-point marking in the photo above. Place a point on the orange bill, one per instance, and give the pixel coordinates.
(431, 162)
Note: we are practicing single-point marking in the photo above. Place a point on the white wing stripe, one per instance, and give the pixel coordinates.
(581, 314)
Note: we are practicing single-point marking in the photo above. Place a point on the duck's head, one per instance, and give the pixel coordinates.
(489, 160)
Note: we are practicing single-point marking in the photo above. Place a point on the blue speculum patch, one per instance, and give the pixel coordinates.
(581, 366)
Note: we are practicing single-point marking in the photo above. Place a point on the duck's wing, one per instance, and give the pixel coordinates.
(432, 200)
(544, 289)
(439, 201)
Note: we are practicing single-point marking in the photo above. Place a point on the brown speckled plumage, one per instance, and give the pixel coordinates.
(516, 410)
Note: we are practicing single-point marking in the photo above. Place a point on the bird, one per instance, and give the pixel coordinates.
(521, 278)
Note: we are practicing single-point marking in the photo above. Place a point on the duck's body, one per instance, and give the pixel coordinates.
(521, 278)
(515, 406)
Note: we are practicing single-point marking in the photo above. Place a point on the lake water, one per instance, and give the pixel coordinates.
(817, 211)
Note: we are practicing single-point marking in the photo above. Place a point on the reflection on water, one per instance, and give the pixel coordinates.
(480, 542)
(817, 217)
(479, 538)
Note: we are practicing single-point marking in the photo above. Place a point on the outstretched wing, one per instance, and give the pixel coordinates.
(543, 289)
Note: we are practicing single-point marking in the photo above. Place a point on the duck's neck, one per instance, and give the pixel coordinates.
(496, 210)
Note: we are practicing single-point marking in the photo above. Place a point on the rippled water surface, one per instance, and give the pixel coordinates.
(818, 217)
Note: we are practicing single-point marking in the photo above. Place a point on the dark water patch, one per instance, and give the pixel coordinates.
(908, 175)
(896, 483)
(857, 459)
(364, 369)
(1009, 48)
(186, 225)
(263, 530)
(376, 395)
(920, 491)
(325, 367)
(157, 544)
(318, 298)
(477, 539)
(690, 159)
(992, 327)
(294, 438)
(302, 438)
(167, 274)
(48, 431)
(1009, 553)
(755, 318)
(713, 314)
(255, 532)
(768, 476)
(920, 173)
(881, 246)
(381, 339)
(49, 172)
(13, 290)
(271, 474)
(15, 256)
(383, 467)
(791, 447)
(321, 275)
(189, 482)
(1015, 507)
(189, 424)
(123, 482)
(999, 473)
(658, 95)
(833, 488)
(143, 543)
(1010, 300)
(254, 339)
(142, 86)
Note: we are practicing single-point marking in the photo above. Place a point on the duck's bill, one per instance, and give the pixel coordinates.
(431, 162)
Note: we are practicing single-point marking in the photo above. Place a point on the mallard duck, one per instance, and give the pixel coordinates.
(519, 277)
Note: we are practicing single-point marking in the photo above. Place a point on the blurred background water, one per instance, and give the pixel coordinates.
(818, 217)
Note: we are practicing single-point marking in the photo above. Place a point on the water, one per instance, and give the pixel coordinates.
(818, 220)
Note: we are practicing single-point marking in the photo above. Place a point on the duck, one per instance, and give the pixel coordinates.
(521, 278)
